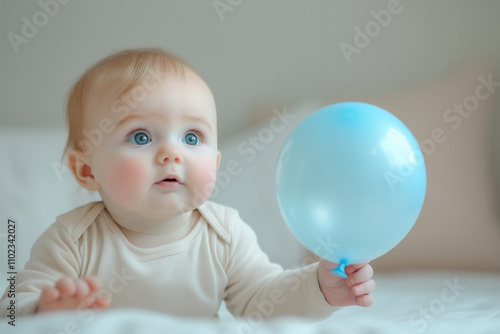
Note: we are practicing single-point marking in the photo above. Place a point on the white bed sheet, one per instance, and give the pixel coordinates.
(405, 303)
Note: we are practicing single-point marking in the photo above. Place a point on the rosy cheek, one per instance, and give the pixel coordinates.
(125, 181)
(203, 180)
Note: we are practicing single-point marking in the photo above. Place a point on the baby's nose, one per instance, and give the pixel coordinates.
(169, 153)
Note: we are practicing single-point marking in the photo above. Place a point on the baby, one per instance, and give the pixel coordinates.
(143, 133)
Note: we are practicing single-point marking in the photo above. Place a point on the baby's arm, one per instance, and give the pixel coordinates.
(69, 294)
(50, 279)
(257, 286)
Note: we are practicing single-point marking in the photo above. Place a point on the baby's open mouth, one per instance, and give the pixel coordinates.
(170, 181)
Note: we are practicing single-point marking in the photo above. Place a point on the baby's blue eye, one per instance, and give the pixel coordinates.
(191, 139)
(140, 138)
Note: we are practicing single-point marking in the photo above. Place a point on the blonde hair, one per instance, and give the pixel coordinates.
(113, 77)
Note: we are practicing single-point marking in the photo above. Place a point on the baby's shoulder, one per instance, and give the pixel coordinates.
(78, 220)
(223, 219)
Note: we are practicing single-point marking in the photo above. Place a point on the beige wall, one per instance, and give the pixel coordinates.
(272, 52)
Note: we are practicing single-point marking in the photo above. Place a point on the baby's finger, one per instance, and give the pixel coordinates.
(93, 283)
(364, 288)
(81, 288)
(49, 294)
(66, 287)
(363, 274)
(364, 300)
(352, 268)
(101, 303)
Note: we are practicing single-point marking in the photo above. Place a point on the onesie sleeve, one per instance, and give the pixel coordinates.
(53, 256)
(258, 288)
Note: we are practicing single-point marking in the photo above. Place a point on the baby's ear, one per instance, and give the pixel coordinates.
(218, 159)
(78, 164)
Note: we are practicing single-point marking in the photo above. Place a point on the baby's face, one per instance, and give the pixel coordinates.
(161, 158)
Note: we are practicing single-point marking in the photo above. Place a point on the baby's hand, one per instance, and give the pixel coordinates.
(72, 294)
(356, 289)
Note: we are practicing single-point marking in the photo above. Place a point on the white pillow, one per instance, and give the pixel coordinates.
(35, 187)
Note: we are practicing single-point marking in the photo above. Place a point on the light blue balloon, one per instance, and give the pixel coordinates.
(350, 182)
